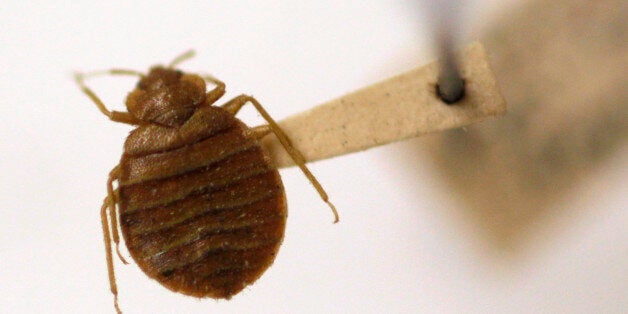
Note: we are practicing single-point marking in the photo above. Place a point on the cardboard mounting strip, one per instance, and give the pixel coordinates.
(398, 108)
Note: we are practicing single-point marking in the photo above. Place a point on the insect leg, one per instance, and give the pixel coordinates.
(218, 91)
(212, 95)
(260, 131)
(114, 175)
(108, 252)
(117, 116)
(236, 104)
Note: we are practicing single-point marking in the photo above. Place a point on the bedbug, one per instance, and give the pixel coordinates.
(201, 208)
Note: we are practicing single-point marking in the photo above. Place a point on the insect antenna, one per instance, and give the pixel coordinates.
(182, 57)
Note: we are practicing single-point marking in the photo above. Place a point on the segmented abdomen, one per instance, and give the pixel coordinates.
(204, 218)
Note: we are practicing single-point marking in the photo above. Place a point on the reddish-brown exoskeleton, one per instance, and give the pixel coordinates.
(201, 207)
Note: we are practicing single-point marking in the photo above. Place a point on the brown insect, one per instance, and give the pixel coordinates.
(201, 207)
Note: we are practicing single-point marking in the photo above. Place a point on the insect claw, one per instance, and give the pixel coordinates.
(120, 255)
(333, 209)
(115, 303)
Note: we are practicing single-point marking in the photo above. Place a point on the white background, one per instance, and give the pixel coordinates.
(399, 248)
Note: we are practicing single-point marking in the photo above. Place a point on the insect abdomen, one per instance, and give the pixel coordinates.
(204, 217)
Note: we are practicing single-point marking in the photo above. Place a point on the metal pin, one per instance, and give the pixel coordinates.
(445, 20)
(450, 86)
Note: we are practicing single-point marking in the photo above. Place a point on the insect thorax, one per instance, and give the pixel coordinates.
(166, 97)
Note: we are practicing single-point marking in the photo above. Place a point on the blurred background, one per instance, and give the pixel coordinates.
(524, 213)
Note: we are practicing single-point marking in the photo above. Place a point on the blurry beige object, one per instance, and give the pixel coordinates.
(561, 66)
